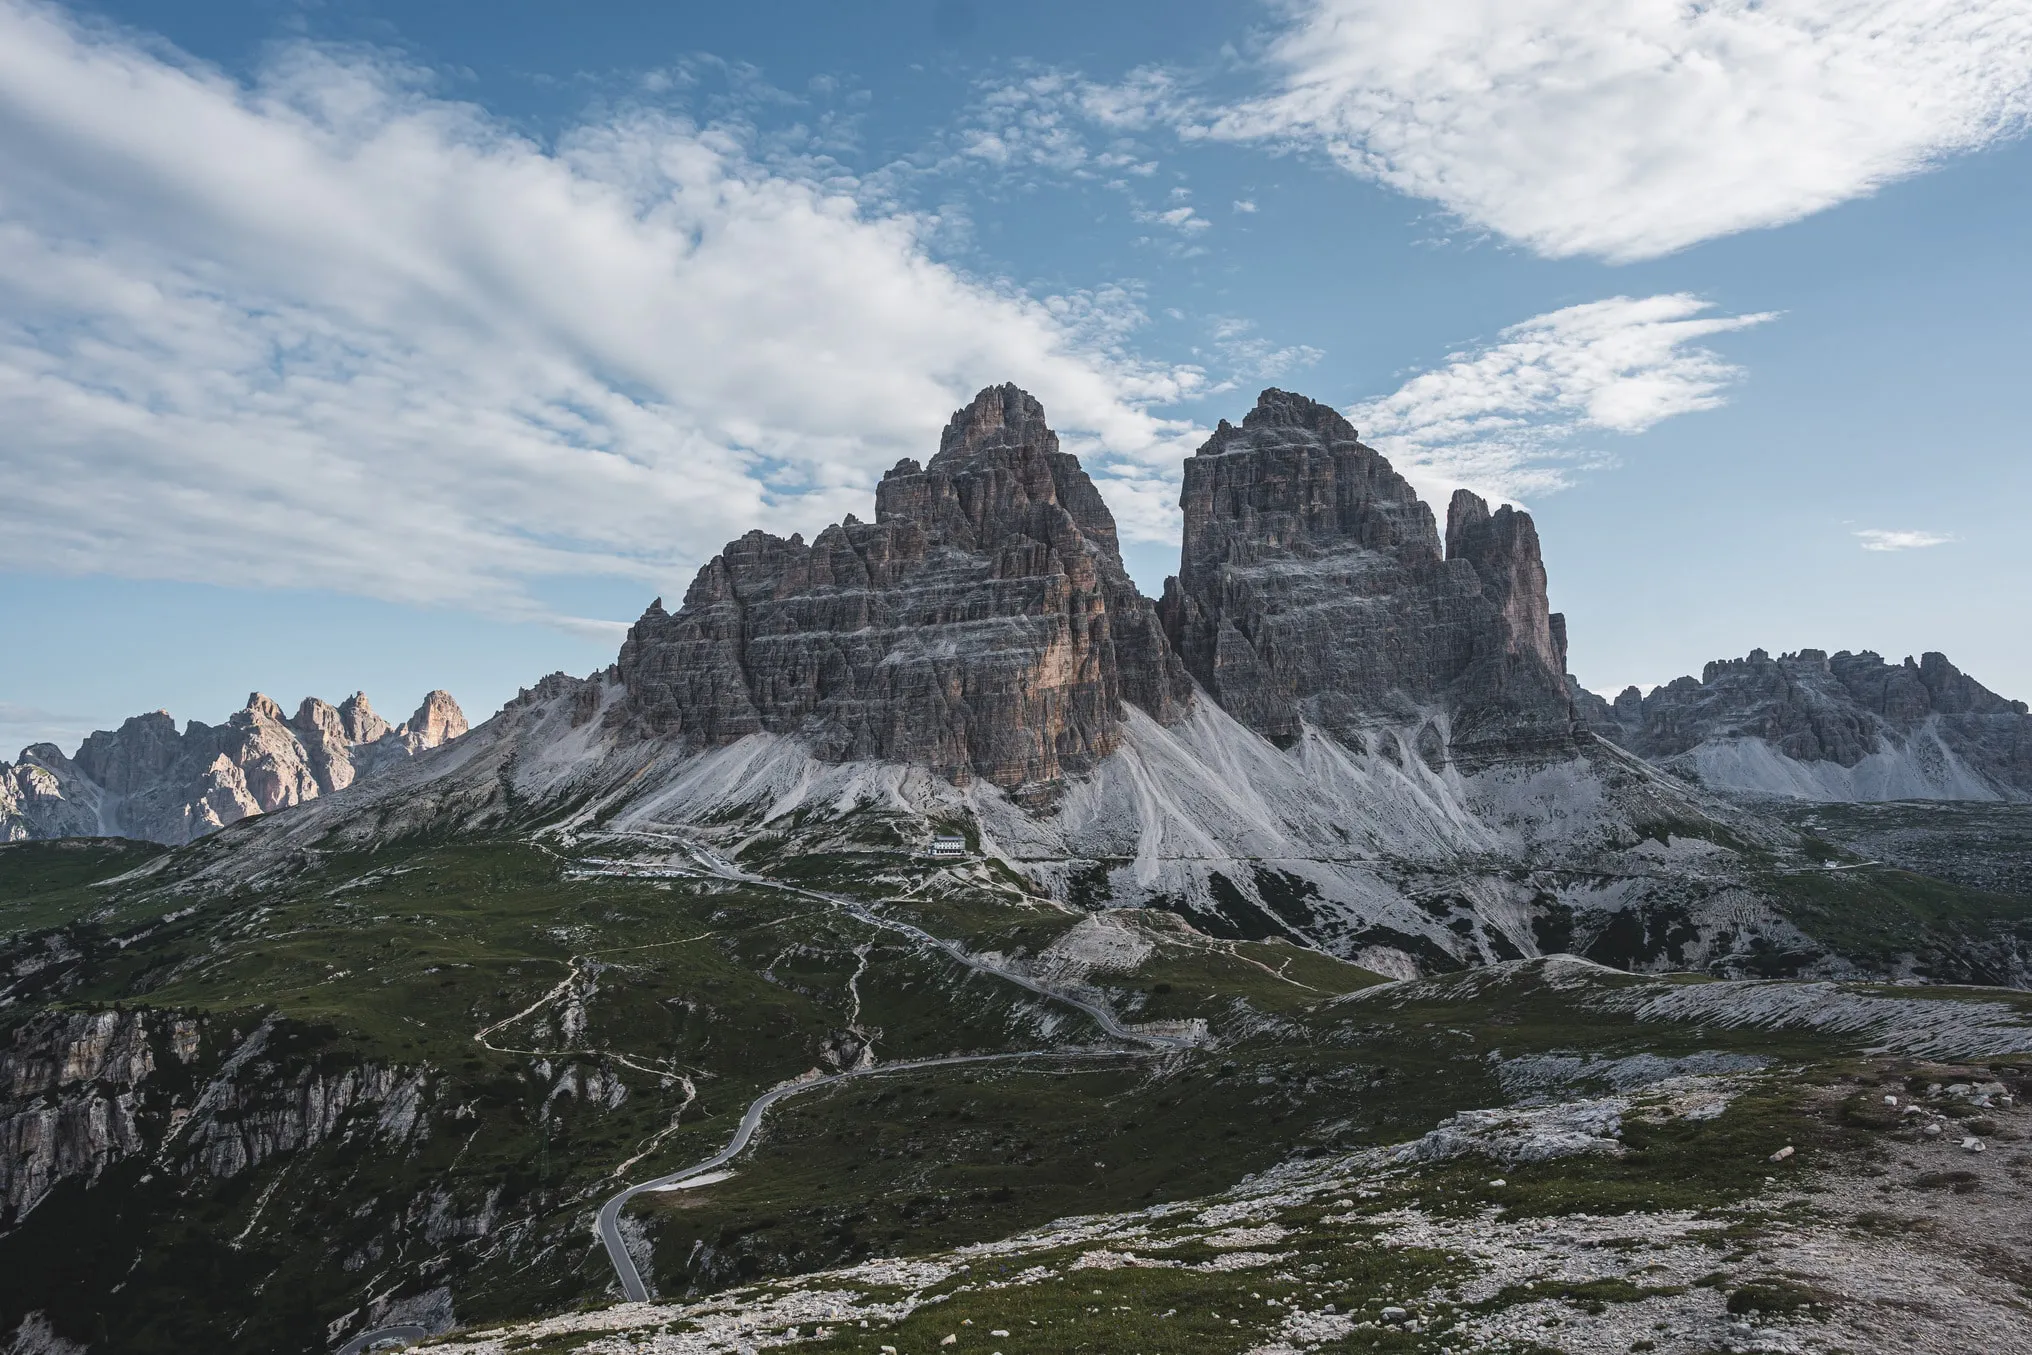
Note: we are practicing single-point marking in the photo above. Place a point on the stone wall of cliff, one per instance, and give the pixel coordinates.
(1313, 589)
(982, 625)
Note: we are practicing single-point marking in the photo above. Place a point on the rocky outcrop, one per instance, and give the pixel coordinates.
(982, 625)
(69, 1090)
(82, 1091)
(1313, 590)
(149, 780)
(258, 1107)
(437, 721)
(43, 795)
(1843, 727)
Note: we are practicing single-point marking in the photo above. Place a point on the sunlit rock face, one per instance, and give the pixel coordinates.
(982, 625)
(147, 779)
(1314, 589)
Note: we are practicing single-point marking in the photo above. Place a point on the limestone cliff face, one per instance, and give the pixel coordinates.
(1846, 726)
(82, 1091)
(43, 795)
(982, 625)
(69, 1097)
(1313, 589)
(149, 780)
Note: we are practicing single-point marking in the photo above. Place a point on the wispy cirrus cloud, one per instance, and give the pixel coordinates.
(1629, 129)
(1881, 539)
(327, 329)
(1507, 419)
(1053, 121)
(1234, 347)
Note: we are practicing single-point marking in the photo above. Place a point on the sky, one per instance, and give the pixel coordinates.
(353, 346)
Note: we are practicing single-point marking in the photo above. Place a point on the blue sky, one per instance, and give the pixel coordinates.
(351, 345)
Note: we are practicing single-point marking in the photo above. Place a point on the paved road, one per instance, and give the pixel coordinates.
(632, 1285)
(383, 1336)
(610, 1213)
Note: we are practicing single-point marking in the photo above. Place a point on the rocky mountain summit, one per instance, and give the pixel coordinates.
(148, 780)
(1313, 591)
(982, 625)
(1846, 727)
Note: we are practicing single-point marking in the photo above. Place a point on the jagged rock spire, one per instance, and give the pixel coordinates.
(1503, 549)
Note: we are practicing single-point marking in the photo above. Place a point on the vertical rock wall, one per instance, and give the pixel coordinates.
(1312, 590)
(982, 624)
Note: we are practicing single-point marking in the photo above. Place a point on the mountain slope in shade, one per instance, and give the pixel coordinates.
(1846, 727)
(148, 780)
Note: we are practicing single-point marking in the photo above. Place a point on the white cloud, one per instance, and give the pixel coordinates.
(1185, 220)
(1244, 205)
(1046, 120)
(1247, 356)
(1030, 121)
(332, 331)
(1875, 538)
(1502, 420)
(1632, 128)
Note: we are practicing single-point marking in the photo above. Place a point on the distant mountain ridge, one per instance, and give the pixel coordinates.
(148, 780)
(1846, 727)
(1337, 724)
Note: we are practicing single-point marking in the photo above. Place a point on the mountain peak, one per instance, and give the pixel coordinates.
(438, 720)
(361, 723)
(982, 625)
(1287, 409)
(1004, 418)
(1312, 591)
(1465, 512)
